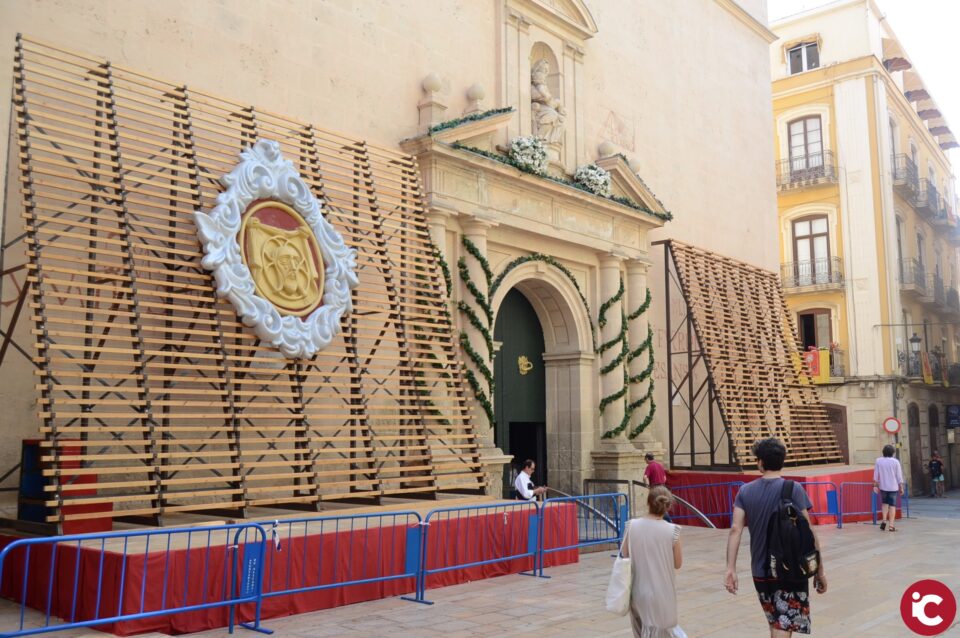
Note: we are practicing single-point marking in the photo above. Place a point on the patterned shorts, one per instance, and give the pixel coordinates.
(787, 607)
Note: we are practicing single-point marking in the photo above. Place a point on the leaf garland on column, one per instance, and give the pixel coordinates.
(643, 375)
(625, 356)
(483, 302)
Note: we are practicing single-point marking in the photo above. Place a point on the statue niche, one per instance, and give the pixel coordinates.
(548, 112)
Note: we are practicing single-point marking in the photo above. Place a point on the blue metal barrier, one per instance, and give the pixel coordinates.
(731, 493)
(226, 570)
(833, 502)
(875, 504)
(600, 519)
(482, 535)
(296, 560)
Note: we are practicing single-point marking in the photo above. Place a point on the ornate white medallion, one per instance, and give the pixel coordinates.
(284, 268)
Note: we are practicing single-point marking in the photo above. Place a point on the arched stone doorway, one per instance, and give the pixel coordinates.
(569, 414)
(520, 388)
(916, 451)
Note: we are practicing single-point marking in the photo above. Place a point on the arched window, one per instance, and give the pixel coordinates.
(811, 251)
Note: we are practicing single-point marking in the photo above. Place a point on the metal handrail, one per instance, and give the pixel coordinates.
(698, 513)
(606, 519)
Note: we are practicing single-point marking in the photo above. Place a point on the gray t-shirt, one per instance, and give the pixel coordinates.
(759, 499)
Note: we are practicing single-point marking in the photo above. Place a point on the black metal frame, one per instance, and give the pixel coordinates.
(698, 398)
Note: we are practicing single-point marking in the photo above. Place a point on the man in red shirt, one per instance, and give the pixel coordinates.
(655, 474)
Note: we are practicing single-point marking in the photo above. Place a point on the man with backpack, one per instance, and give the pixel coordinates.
(784, 550)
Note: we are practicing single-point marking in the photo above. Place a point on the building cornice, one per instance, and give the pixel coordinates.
(741, 14)
(862, 67)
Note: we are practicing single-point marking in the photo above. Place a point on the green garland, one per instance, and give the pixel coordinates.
(442, 126)
(625, 357)
(503, 159)
(444, 268)
(482, 300)
(547, 259)
(605, 306)
(642, 309)
(484, 264)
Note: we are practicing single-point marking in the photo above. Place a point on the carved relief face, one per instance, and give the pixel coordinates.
(283, 257)
(540, 72)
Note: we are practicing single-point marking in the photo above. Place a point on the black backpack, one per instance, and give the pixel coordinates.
(792, 554)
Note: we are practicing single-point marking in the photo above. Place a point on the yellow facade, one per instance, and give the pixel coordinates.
(869, 236)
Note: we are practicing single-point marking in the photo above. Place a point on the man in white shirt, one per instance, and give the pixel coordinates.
(524, 485)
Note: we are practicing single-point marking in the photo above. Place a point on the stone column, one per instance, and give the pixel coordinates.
(614, 458)
(611, 382)
(637, 332)
(475, 230)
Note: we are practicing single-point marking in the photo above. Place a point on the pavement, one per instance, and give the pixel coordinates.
(868, 571)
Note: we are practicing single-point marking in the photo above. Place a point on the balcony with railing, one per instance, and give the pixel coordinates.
(906, 177)
(942, 215)
(823, 273)
(953, 301)
(912, 365)
(913, 278)
(927, 201)
(838, 366)
(935, 293)
(802, 171)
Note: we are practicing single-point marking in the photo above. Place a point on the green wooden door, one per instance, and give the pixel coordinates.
(520, 397)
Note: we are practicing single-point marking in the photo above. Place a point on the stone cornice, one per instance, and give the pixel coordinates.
(419, 146)
(741, 14)
(611, 226)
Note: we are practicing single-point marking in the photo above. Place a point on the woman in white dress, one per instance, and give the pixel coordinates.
(655, 554)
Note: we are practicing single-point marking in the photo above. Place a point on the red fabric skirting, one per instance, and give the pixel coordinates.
(162, 579)
(717, 499)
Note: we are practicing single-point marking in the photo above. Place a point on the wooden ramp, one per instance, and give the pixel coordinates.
(148, 383)
(745, 337)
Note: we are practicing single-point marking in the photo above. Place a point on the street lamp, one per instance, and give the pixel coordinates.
(915, 343)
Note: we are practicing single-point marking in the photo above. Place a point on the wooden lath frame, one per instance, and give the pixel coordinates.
(755, 382)
(149, 380)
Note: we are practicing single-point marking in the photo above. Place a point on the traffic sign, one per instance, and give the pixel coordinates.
(891, 425)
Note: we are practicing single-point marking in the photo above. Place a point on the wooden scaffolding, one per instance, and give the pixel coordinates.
(148, 382)
(734, 369)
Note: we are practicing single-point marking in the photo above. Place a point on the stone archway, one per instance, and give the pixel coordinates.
(568, 363)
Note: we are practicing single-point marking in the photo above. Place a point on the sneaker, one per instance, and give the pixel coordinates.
(883, 526)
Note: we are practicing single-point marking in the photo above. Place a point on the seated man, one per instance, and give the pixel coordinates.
(524, 485)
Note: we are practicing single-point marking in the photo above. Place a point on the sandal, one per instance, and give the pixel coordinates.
(892, 528)
(883, 526)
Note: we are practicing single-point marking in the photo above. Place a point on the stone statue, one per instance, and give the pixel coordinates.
(548, 113)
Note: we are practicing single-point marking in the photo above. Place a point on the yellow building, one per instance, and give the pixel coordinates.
(868, 226)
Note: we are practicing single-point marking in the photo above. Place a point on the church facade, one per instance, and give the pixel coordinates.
(556, 139)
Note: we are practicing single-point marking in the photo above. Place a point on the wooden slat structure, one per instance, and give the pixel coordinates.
(746, 338)
(172, 403)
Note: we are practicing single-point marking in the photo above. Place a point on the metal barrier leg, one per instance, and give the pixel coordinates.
(840, 507)
(535, 542)
(420, 579)
(261, 553)
(873, 506)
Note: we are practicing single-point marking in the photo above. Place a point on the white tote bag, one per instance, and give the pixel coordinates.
(621, 581)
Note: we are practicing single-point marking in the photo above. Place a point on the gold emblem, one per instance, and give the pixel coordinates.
(524, 364)
(283, 256)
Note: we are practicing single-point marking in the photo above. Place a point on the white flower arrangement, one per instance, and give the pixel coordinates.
(594, 179)
(529, 154)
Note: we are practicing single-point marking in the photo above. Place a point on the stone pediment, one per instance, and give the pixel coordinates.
(569, 16)
(628, 184)
(476, 184)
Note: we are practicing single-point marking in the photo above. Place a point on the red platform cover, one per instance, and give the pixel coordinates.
(165, 579)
